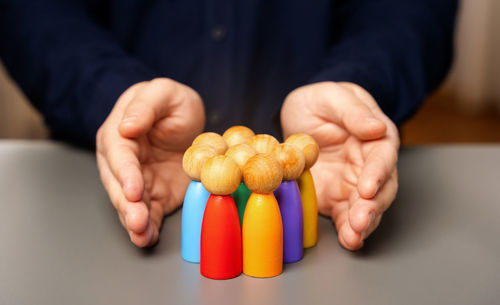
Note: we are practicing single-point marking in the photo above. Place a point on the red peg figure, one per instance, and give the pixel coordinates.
(220, 231)
(262, 225)
(264, 143)
(213, 139)
(310, 148)
(240, 153)
(292, 162)
(238, 135)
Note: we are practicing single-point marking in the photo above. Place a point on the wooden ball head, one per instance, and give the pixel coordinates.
(291, 159)
(238, 135)
(308, 145)
(194, 158)
(220, 175)
(240, 154)
(212, 139)
(264, 143)
(262, 173)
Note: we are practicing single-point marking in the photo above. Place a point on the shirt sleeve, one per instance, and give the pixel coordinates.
(68, 66)
(398, 50)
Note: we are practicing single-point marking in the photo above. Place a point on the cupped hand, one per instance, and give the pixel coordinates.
(355, 176)
(139, 153)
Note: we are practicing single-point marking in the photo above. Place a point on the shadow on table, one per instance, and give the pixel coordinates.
(412, 222)
(117, 237)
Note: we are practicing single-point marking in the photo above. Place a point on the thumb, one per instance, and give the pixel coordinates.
(152, 102)
(342, 106)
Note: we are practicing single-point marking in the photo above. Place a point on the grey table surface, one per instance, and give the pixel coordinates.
(61, 242)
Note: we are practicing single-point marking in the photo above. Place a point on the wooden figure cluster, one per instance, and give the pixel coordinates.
(251, 205)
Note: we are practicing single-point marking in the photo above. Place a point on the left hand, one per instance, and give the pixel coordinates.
(139, 153)
(355, 175)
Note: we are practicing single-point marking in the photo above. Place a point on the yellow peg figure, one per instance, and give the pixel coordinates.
(262, 226)
(310, 148)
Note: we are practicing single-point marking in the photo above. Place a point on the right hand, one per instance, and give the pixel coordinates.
(139, 153)
(356, 172)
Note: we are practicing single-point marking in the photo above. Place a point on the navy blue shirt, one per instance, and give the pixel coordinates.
(74, 58)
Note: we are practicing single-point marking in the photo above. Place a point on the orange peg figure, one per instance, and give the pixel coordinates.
(262, 225)
(310, 148)
(220, 232)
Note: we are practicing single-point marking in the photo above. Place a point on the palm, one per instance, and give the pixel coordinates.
(164, 182)
(160, 156)
(336, 173)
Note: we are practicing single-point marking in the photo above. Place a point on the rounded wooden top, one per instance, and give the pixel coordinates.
(212, 139)
(194, 158)
(263, 143)
(240, 153)
(237, 135)
(220, 175)
(291, 159)
(308, 145)
(262, 173)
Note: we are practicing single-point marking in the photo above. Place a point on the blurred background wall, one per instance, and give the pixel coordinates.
(18, 119)
(466, 108)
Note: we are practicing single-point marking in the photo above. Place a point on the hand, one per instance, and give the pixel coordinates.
(139, 153)
(355, 175)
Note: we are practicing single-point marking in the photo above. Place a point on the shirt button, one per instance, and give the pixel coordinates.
(218, 33)
(214, 118)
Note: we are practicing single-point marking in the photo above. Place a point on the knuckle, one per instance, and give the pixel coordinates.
(164, 83)
(101, 140)
(132, 90)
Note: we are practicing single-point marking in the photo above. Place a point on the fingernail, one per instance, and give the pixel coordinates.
(130, 117)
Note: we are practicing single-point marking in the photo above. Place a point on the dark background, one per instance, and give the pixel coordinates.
(466, 108)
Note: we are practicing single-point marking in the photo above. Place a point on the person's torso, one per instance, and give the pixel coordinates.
(243, 57)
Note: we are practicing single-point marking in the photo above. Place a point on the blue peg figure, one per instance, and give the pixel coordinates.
(194, 201)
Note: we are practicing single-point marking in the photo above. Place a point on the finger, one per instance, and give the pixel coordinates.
(340, 105)
(379, 164)
(364, 213)
(350, 239)
(150, 103)
(125, 166)
(133, 215)
(347, 237)
(146, 238)
(340, 215)
(371, 228)
(156, 215)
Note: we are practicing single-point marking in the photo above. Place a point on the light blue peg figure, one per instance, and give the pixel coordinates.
(194, 201)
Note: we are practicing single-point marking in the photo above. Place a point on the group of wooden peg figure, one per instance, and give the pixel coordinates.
(251, 205)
